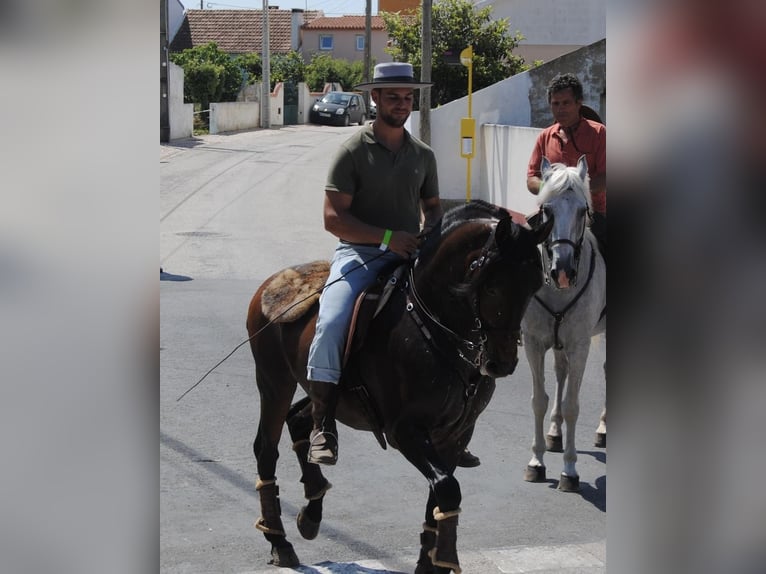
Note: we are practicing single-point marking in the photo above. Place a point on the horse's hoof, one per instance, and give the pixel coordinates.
(600, 440)
(284, 556)
(569, 483)
(553, 443)
(307, 527)
(535, 473)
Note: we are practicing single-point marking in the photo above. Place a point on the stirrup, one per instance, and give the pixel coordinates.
(323, 447)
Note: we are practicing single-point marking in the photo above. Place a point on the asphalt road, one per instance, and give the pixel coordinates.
(233, 210)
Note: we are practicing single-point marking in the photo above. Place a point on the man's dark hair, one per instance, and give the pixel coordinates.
(564, 81)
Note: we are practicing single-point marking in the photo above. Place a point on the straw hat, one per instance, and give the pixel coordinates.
(393, 75)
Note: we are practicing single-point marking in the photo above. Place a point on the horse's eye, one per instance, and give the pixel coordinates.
(491, 291)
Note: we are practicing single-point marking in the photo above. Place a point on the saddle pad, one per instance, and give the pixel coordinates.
(293, 291)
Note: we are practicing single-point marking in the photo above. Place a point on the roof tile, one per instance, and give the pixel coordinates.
(237, 31)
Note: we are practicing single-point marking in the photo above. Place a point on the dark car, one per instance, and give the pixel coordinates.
(339, 108)
(373, 109)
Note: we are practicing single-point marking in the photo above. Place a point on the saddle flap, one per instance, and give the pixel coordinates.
(368, 305)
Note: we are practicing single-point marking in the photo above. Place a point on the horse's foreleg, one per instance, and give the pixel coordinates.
(553, 440)
(535, 471)
(275, 402)
(427, 538)
(570, 408)
(601, 430)
(315, 485)
(444, 498)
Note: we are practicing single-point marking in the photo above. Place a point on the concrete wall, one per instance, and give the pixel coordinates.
(181, 115)
(502, 148)
(551, 28)
(233, 116)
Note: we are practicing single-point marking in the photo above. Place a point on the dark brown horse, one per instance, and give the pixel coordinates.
(428, 364)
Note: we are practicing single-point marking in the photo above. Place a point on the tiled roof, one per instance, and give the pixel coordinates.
(237, 31)
(345, 23)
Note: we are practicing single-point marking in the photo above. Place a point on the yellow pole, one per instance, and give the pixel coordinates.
(466, 58)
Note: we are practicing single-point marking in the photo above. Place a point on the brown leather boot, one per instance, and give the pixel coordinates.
(323, 441)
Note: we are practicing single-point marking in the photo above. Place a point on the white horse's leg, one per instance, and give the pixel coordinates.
(536, 357)
(601, 430)
(600, 441)
(553, 440)
(570, 408)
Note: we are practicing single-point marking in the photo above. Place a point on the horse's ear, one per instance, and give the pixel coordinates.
(582, 167)
(541, 231)
(505, 231)
(545, 165)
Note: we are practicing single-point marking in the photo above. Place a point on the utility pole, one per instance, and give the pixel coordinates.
(425, 74)
(367, 40)
(164, 75)
(266, 80)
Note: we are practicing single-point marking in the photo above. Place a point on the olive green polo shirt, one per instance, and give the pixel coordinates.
(386, 187)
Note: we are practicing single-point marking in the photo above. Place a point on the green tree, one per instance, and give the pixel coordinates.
(323, 69)
(210, 75)
(455, 25)
(287, 68)
(252, 65)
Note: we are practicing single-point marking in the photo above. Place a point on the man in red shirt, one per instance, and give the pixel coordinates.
(569, 138)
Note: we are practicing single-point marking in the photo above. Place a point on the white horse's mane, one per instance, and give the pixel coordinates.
(560, 177)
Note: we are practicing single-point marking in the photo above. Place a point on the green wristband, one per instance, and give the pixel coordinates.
(386, 239)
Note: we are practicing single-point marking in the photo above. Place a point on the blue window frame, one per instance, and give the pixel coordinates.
(325, 41)
(360, 42)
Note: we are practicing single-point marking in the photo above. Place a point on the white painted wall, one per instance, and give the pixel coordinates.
(504, 166)
(551, 28)
(181, 115)
(506, 103)
(176, 13)
(553, 22)
(233, 116)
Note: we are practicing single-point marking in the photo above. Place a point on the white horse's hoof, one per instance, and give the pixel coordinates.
(535, 473)
(553, 443)
(600, 440)
(569, 483)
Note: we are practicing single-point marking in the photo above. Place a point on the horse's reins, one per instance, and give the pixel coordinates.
(465, 346)
(471, 352)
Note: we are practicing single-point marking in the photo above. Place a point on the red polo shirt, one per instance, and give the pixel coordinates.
(587, 138)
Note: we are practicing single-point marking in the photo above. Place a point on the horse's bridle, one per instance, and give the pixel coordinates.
(548, 245)
(471, 351)
(468, 350)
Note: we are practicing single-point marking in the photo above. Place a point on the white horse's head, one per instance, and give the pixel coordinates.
(564, 197)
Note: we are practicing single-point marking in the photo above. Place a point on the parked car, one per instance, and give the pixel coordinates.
(339, 108)
(373, 109)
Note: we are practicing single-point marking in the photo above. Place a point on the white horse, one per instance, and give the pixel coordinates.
(564, 314)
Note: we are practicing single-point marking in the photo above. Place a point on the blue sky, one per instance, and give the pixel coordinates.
(330, 7)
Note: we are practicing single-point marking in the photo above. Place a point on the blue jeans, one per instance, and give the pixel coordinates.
(336, 305)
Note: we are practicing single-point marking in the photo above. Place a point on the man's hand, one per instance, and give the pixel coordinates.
(403, 243)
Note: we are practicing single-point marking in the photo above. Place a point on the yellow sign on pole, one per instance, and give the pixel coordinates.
(468, 125)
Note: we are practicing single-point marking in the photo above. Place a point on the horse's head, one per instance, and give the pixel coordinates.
(500, 280)
(565, 199)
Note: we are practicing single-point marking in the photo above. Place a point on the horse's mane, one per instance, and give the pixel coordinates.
(454, 218)
(560, 178)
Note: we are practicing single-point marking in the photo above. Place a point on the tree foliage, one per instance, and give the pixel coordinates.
(455, 25)
(323, 69)
(287, 68)
(251, 65)
(210, 75)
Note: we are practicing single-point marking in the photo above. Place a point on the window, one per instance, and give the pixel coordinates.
(325, 41)
(359, 43)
